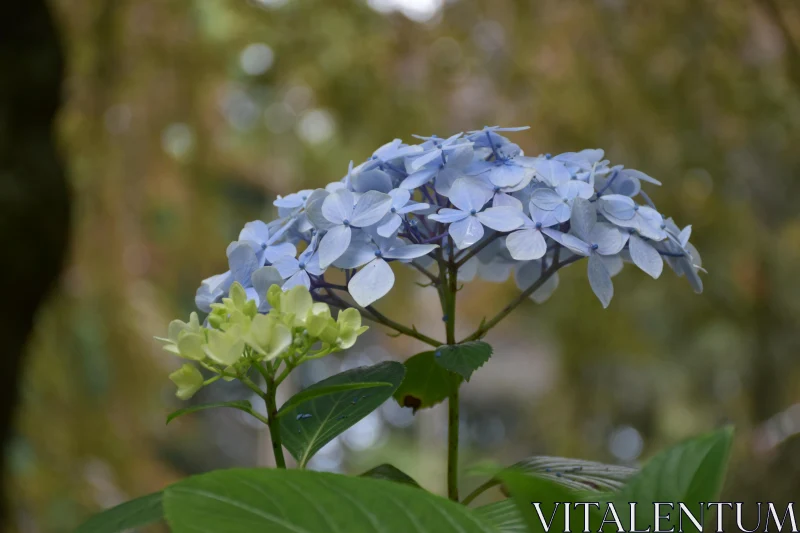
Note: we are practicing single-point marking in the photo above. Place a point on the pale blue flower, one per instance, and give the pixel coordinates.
(212, 290)
(467, 220)
(624, 212)
(263, 278)
(528, 243)
(595, 240)
(297, 271)
(401, 205)
(375, 278)
(343, 210)
(557, 203)
(444, 170)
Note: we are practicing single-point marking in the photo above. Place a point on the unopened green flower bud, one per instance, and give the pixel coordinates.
(188, 379)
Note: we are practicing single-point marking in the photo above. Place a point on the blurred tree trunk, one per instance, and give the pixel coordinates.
(34, 198)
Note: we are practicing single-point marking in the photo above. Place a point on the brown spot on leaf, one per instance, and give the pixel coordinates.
(412, 401)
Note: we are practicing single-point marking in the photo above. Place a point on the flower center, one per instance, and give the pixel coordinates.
(595, 246)
(472, 212)
(345, 222)
(538, 225)
(393, 210)
(302, 265)
(378, 253)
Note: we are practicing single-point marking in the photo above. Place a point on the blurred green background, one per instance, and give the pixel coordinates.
(183, 119)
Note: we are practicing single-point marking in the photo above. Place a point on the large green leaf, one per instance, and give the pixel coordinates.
(426, 383)
(390, 473)
(309, 425)
(690, 473)
(315, 392)
(464, 358)
(135, 513)
(551, 499)
(302, 501)
(576, 474)
(241, 405)
(504, 516)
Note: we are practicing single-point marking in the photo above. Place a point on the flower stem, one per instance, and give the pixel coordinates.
(452, 401)
(274, 423)
(480, 490)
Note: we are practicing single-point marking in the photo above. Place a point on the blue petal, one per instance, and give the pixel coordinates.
(552, 172)
(466, 232)
(526, 244)
(609, 239)
(645, 256)
(507, 175)
(467, 195)
(568, 241)
(545, 199)
(287, 266)
(278, 251)
(600, 280)
(445, 180)
(371, 283)
(389, 225)
(370, 208)
(338, 206)
(447, 215)
(360, 252)
(211, 290)
(372, 180)
(255, 231)
(501, 218)
(419, 178)
(262, 280)
(333, 245)
(616, 207)
(410, 251)
(243, 262)
(299, 278)
(583, 218)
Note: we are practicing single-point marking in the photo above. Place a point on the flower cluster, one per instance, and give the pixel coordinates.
(296, 329)
(474, 200)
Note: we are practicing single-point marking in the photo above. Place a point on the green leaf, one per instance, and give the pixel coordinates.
(302, 501)
(241, 405)
(552, 498)
(689, 473)
(464, 358)
(390, 473)
(576, 474)
(315, 392)
(135, 513)
(426, 383)
(331, 414)
(504, 516)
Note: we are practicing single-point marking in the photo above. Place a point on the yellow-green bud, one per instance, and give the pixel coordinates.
(188, 379)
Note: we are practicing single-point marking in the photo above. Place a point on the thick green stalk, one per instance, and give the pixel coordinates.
(274, 423)
(452, 401)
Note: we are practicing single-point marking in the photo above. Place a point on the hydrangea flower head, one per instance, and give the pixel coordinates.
(476, 200)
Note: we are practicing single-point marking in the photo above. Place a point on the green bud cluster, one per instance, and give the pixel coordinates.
(295, 330)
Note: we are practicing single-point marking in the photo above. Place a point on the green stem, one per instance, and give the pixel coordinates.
(370, 313)
(274, 424)
(452, 401)
(523, 296)
(480, 490)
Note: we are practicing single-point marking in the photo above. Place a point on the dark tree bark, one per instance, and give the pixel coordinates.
(34, 197)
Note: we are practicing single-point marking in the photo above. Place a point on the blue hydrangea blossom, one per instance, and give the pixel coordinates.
(475, 200)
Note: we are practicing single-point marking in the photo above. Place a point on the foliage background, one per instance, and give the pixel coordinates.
(172, 146)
